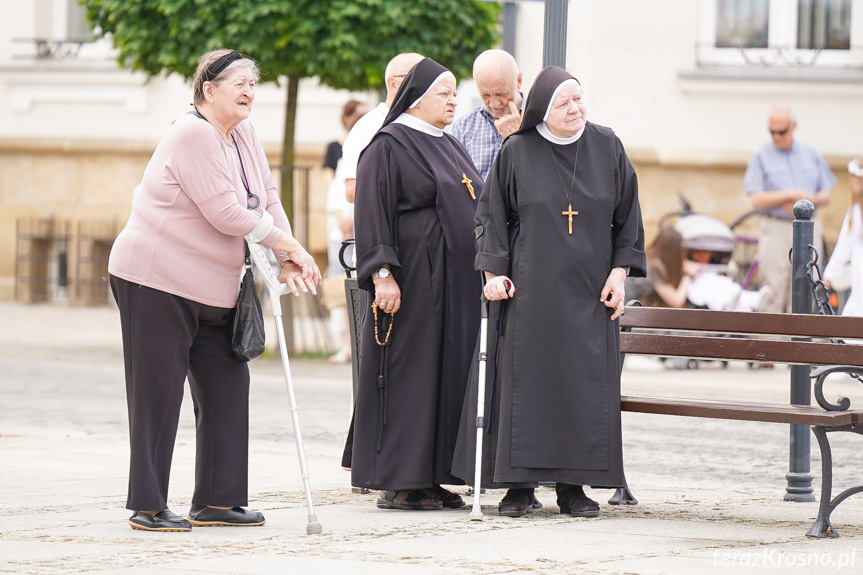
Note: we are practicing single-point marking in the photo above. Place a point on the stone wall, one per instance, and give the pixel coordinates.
(63, 200)
(80, 195)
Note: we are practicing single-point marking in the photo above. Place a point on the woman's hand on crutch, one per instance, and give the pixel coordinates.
(497, 287)
(300, 272)
(292, 276)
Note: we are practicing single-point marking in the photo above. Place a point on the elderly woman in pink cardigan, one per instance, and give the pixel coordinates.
(175, 273)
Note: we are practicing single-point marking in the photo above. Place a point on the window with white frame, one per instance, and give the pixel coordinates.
(60, 32)
(781, 33)
(77, 27)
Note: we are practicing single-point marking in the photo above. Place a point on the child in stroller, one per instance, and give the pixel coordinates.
(709, 242)
(690, 265)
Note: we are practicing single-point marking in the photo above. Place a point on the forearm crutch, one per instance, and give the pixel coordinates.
(276, 289)
(476, 512)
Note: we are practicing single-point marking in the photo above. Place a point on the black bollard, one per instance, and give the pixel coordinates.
(799, 478)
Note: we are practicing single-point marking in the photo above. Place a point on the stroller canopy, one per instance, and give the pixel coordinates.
(703, 232)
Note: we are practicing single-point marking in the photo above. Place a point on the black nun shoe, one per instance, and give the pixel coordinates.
(203, 516)
(161, 521)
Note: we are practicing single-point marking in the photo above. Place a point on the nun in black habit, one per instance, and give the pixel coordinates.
(416, 198)
(558, 228)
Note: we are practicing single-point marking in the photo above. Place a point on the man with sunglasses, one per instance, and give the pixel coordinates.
(780, 173)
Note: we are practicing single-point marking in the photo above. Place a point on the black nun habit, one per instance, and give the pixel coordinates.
(553, 396)
(415, 212)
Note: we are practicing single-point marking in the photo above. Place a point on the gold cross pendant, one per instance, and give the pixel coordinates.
(468, 182)
(570, 213)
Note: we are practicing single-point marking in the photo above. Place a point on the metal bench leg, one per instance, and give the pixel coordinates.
(822, 526)
(623, 496)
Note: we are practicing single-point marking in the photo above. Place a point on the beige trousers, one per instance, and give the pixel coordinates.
(774, 265)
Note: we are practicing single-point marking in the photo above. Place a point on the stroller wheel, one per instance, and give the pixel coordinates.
(692, 364)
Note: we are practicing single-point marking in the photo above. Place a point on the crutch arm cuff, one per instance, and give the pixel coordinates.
(262, 229)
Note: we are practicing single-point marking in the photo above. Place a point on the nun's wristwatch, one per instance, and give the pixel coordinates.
(382, 274)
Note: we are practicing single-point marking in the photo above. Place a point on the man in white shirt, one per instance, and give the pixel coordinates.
(367, 126)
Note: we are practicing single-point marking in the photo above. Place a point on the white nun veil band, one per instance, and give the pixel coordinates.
(855, 169)
(553, 96)
(443, 75)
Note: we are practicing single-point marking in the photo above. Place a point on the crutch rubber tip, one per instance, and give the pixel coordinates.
(313, 528)
(476, 516)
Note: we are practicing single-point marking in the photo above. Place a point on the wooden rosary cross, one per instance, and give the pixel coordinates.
(570, 213)
(467, 182)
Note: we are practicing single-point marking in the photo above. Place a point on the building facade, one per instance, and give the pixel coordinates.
(686, 85)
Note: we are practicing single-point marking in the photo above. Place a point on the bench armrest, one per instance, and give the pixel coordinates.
(820, 375)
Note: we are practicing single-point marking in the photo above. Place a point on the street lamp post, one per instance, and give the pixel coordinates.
(554, 40)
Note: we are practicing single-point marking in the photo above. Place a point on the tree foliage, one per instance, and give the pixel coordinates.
(345, 43)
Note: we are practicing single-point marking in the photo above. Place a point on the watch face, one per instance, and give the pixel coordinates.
(384, 273)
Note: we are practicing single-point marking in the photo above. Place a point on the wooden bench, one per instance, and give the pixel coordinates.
(753, 337)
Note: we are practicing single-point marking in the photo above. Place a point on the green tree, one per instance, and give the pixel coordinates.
(345, 43)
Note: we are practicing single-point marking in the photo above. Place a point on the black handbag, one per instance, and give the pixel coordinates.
(247, 336)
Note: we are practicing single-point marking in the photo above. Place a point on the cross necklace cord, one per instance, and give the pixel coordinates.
(569, 213)
(464, 179)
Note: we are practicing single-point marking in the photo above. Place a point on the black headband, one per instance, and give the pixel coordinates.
(213, 70)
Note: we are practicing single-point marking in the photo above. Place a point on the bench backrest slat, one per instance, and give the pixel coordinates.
(732, 348)
(743, 322)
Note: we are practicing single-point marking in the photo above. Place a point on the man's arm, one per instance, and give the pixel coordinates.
(787, 198)
(350, 189)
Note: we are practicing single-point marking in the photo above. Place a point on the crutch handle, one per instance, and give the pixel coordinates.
(271, 280)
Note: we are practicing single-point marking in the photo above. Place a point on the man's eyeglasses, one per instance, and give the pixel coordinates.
(779, 132)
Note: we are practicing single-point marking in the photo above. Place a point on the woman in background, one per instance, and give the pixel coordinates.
(849, 246)
(340, 227)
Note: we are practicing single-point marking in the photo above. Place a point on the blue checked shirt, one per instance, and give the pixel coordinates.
(481, 139)
(772, 169)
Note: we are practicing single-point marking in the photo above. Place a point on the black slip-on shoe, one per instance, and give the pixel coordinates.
(202, 516)
(161, 521)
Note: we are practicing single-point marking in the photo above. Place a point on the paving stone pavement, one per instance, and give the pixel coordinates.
(710, 492)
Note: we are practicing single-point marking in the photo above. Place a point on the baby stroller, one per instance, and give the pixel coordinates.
(712, 244)
(731, 248)
(708, 241)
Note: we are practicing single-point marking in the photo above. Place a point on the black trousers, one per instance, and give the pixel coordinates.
(166, 338)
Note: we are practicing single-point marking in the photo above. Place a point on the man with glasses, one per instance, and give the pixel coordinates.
(780, 173)
(484, 129)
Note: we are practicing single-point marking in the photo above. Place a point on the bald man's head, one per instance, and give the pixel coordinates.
(396, 71)
(498, 81)
(781, 124)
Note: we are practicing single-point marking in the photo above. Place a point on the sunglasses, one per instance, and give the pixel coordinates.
(780, 132)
